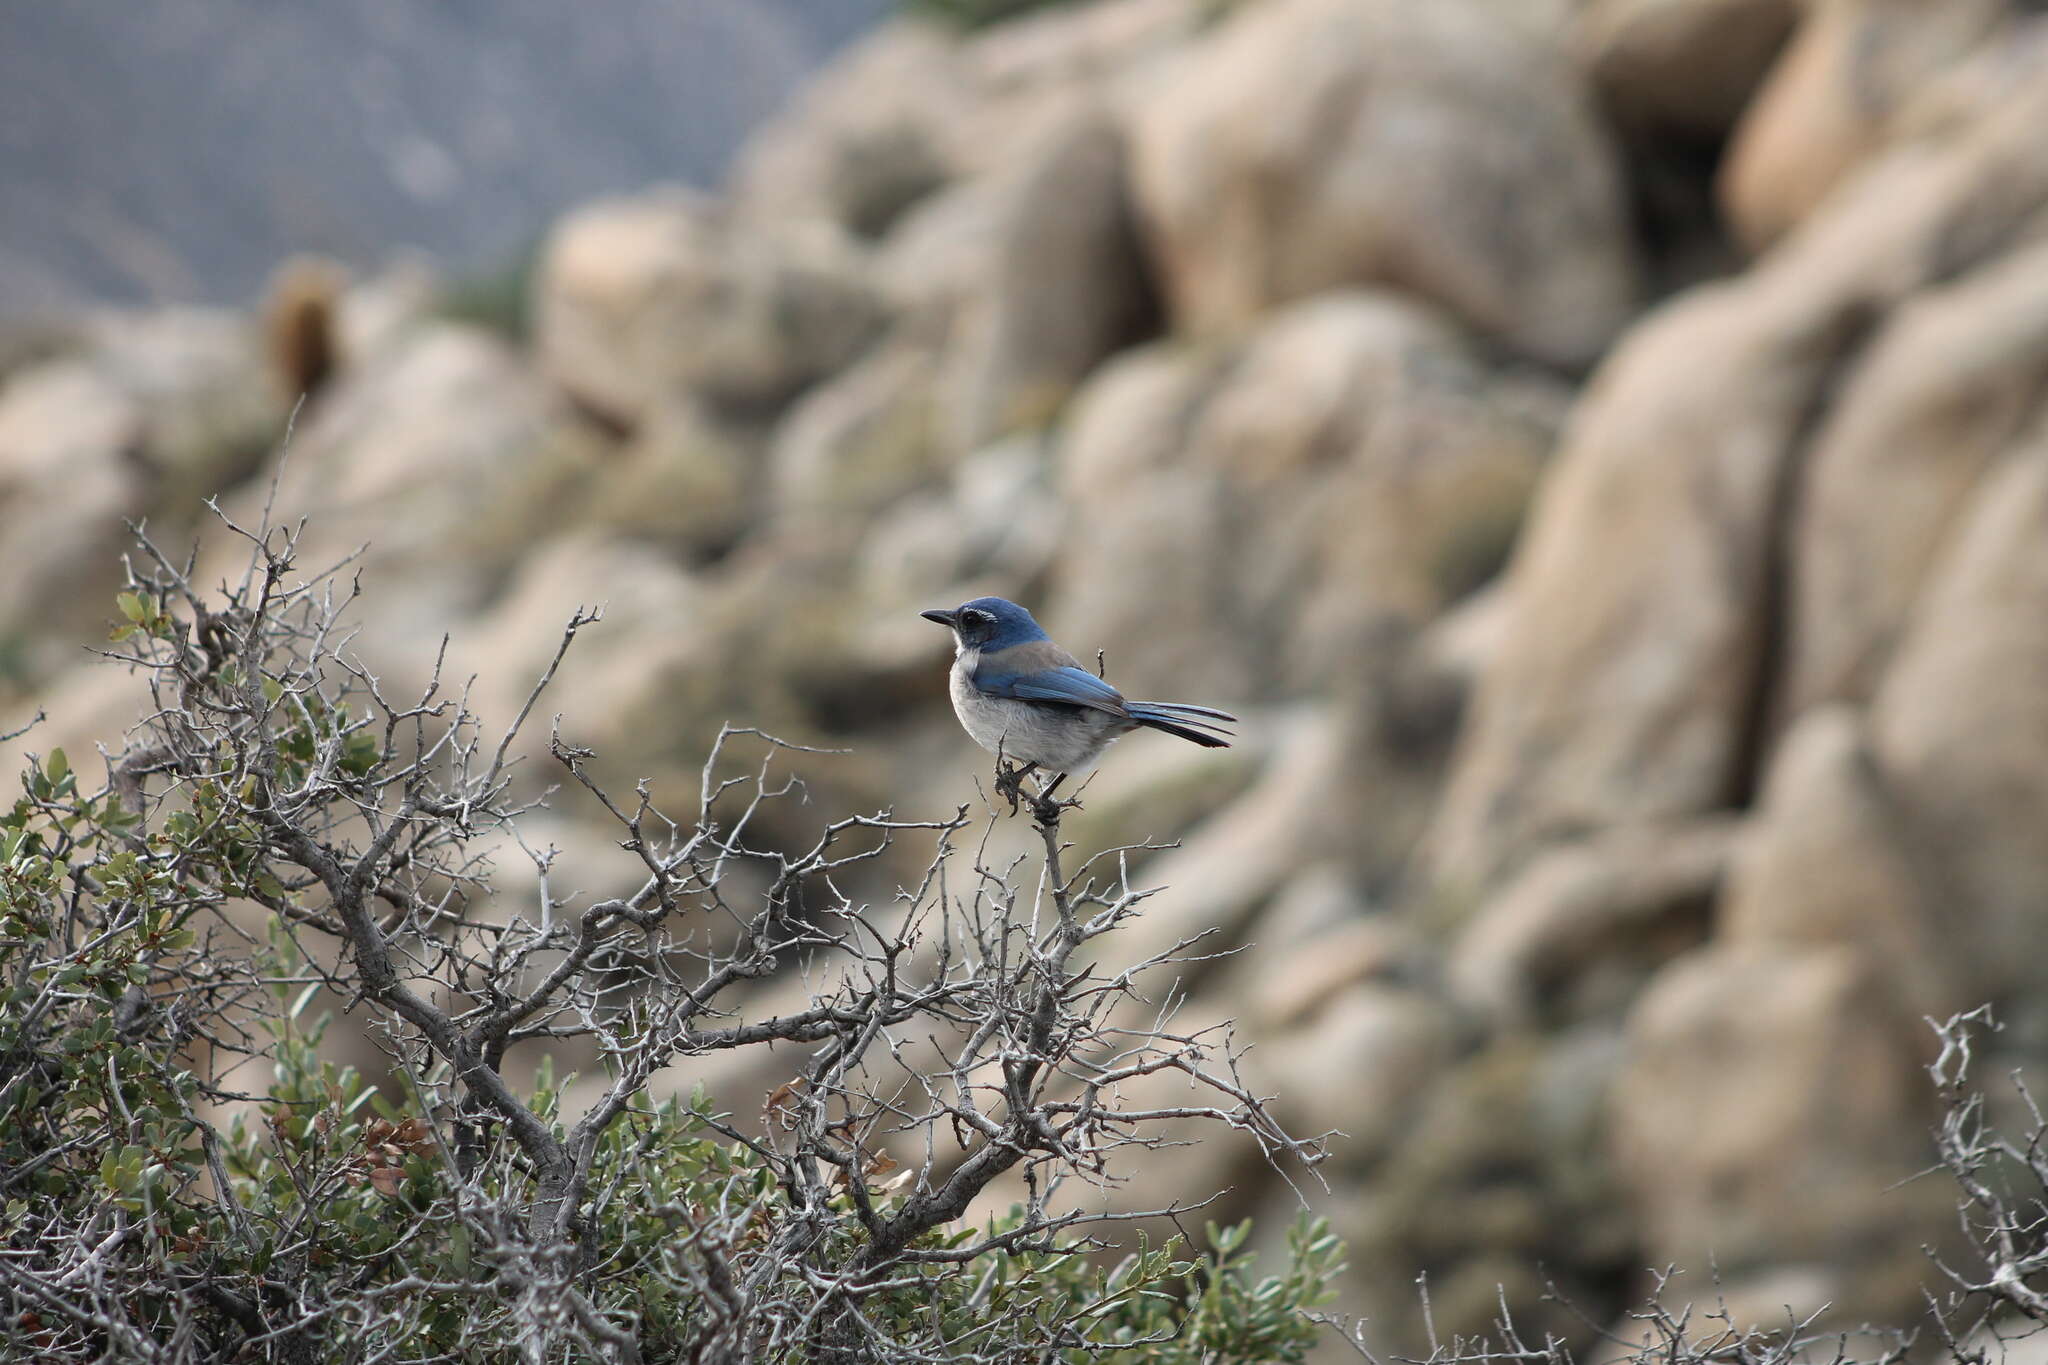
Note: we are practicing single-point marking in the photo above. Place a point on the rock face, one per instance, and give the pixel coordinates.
(1636, 678)
(1622, 689)
(148, 411)
(869, 138)
(1948, 386)
(1358, 438)
(1852, 65)
(1680, 68)
(1065, 286)
(1628, 766)
(1973, 778)
(1767, 1102)
(664, 296)
(1365, 165)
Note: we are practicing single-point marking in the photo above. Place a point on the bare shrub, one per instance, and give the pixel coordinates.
(975, 1026)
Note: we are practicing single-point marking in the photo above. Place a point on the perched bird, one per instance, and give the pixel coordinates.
(1024, 698)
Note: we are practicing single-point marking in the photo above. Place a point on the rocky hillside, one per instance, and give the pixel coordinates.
(1601, 448)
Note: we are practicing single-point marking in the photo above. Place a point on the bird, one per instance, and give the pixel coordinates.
(1022, 697)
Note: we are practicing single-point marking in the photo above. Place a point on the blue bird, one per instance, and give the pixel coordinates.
(1024, 698)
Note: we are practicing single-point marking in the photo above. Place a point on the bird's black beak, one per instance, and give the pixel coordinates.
(944, 618)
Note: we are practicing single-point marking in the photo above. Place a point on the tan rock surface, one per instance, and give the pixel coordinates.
(637, 299)
(1851, 65)
(1680, 67)
(1363, 166)
(1945, 389)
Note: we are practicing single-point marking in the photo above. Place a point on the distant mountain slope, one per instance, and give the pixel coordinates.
(178, 149)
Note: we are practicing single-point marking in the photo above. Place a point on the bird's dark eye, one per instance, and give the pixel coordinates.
(975, 618)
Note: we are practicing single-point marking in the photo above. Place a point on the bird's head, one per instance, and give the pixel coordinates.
(988, 623)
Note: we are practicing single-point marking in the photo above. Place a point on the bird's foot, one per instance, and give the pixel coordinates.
(1010, 782)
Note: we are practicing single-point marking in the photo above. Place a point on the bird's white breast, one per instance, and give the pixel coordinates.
(1058, 740)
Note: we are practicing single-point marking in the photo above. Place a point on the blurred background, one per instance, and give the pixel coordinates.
(1600, 446)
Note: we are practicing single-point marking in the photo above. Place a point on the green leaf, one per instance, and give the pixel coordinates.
(131, 606)
(58, 766)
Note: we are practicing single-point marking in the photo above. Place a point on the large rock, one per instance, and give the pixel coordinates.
(1633, 682)
(1497, 1191)
(1365, 465)
(667, 293)
(916, 106)
(143, 419)
(65, 490)
(868, 136)
(618, 672)
(1063, 286)
(1770, 1115)
(1578, 931)
(1389, 140)
(1851, 66)
(1680, 67)
(445, 456)
(1943, 391)
(852, 447)
(685, 479)
(993, 526)
(1638, 591)
(1960, 726)
(1826, 861)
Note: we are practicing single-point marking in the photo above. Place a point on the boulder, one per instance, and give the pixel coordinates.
(870, 135)
(1121, 449)
(1062, 286)
(144, 417)
(1634, 680)
(992, 527)
(1679, 68)
(1361, 460)
(668, 293)
(1359, 1064)
(618, 672)
(1388, 139)
(1635, 633)
(1944, 390)
(1496, 1191)
(685, 478)
(1101, 46)
(66, 489)
(857, 444)
(1231, 865)
(195, 376)
(1578, 931)
(1850, 67)
(1827, 861)
(914, 107)
(1960, 727)
(1769, 1115)
(445, 456)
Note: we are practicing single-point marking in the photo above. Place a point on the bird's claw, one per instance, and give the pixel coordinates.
(1010, 782)
(1045, 807)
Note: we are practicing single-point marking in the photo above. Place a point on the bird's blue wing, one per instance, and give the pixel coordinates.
(1041, 671)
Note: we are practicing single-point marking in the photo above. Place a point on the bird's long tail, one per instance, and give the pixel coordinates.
(1200, 724)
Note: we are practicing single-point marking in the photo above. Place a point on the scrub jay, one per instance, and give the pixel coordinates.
(1022, 696)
